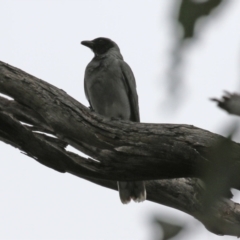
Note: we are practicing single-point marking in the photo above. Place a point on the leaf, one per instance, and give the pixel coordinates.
(190, 11)
(169, 230)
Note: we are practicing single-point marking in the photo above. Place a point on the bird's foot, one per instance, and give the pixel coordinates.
(90, 108)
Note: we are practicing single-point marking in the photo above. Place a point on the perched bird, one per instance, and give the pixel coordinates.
(110, 88)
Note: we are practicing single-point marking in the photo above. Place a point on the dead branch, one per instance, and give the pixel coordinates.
(121, 150)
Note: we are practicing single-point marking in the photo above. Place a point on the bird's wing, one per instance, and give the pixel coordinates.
(130, 84)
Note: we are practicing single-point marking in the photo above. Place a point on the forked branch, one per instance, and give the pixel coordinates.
(169, 157)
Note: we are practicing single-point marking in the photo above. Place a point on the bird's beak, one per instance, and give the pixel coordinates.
(88, 44)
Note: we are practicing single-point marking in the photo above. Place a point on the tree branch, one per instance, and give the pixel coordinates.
(120, 150)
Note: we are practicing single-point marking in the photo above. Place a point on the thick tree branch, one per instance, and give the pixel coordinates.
(123, 150)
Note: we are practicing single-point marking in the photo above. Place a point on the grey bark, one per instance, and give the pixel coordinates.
(169, 157)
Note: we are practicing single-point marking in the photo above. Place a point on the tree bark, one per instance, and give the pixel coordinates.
(169, 157)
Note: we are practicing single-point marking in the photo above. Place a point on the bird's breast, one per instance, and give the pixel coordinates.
(107, 92)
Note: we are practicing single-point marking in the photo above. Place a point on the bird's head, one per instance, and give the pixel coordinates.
(100, 46)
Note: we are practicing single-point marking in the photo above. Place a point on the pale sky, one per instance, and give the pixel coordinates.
(43, 38)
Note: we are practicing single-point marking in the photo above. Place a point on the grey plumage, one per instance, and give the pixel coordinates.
(110, 88)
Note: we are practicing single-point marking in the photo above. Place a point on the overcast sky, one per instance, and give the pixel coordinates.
(43, 39)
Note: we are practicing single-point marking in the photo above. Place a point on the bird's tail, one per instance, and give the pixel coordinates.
(132, 190)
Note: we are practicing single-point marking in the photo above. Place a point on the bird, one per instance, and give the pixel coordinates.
(110, 88)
